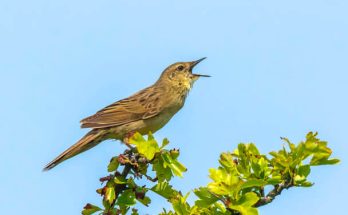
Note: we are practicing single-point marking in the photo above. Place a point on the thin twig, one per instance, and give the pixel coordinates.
(273, 193)
(151, 179)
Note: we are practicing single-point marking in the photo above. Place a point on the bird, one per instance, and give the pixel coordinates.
(145, 111)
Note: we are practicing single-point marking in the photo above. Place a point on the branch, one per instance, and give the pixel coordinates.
(121, 187)
(237, 187)
(273, 193)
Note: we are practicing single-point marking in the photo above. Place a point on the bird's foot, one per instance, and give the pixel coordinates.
(126, 139)
(129, 146)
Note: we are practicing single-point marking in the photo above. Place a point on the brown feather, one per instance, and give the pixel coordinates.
(91, 139)
(142, 105)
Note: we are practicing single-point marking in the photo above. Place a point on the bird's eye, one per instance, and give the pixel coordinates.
(180, 68)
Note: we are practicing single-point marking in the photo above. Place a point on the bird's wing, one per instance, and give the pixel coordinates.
(142, 105)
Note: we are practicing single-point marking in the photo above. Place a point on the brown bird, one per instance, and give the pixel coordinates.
(147, 110)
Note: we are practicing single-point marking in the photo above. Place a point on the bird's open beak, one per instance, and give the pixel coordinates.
(194, 63)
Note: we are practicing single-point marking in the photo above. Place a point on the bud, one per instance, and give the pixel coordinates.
(174, 153)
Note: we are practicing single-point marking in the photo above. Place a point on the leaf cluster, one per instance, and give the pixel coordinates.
(238, 185)
(122, 188)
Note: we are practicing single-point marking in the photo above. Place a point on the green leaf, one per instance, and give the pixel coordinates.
(121, 210)
(326, 162)
(245, 210)
(226, 160)
(173, 164)
(254, 183)
(206, 198)
(256, 168)
(276, 179)
(174, 153)
(245, 152)
(113, 165)
(316, 161)
(90, 209)
(245, 203)
(134, 211)
(145, 201)
(290, 144)
(248, 199)
(306, 184)
(165, 190)
(137, 139)
(180, 206)
(298, 179)
(106, 204)
(127, 198)
(150, 137)
(162, 173)
(120, 180)
(252, 149)
(109, 193)
(304, 170)
(223, 182)
(165, 142)
(147, 148)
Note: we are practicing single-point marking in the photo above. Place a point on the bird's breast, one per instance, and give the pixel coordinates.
(170, 103)
(144, 126)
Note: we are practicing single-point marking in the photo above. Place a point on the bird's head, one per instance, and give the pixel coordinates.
(180, 74)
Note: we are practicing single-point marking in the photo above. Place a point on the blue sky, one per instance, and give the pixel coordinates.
(279, 69)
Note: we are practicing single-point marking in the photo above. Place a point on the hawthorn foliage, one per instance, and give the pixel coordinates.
(238, 185)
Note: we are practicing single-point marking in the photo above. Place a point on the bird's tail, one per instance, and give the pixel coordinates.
(91, 139)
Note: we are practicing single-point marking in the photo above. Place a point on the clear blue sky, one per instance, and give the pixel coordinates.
(279, 69)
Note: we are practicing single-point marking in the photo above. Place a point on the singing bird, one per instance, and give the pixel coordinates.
(147, 110)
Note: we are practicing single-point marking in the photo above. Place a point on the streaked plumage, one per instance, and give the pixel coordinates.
(147, 110)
